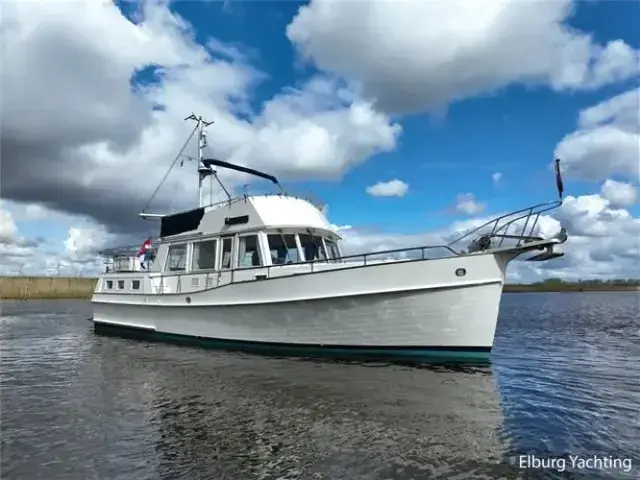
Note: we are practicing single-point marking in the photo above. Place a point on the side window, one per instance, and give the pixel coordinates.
(120, 284)
(177, 258)
(248, 251)
(332, 249)
(204, 255)
(109, 284)
(227, 243)
(312, 247)
(283, 249)
(135, 284)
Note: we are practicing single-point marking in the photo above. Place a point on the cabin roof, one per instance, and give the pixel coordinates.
(288, 211)
(250, 213)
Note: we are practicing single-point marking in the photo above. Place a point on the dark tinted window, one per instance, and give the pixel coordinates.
(283, 249)
(312, 247)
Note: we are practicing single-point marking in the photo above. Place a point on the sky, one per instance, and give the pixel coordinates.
(411, 120)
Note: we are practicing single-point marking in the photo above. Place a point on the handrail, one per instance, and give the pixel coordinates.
(341, 259)
(531, 211)
(497, 228)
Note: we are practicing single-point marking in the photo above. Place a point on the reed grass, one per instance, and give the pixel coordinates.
(28, 288)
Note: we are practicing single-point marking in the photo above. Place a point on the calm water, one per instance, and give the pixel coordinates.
(564, 380)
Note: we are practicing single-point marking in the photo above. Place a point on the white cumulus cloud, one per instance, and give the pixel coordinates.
(415, 54)
(466, 203)
(619, 194)
(392, 188)
(607, 142)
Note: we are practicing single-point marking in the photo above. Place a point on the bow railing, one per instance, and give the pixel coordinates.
(518, 226)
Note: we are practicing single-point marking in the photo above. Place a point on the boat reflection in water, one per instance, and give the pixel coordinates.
(307, 419)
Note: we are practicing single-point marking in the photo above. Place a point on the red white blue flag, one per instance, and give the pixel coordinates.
(144, 252)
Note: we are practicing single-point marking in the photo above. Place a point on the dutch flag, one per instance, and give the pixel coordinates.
(144, 250)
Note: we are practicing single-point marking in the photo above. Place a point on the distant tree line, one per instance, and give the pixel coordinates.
(615, 282)
(557, 284)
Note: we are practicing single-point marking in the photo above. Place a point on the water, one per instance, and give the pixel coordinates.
(564, 380)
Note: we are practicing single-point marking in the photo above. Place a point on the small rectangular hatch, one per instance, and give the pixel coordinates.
(236, 220)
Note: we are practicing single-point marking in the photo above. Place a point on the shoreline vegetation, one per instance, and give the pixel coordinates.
(81, 288)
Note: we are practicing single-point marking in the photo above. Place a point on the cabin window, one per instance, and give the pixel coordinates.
(177, 258)
(283, 249)
(109, 284)
(135, 284)
(204, 255)
(312, 247)
(227, 244)
(332, 249)
(248, 251)
(120, 284)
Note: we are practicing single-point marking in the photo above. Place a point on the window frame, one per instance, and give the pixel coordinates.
(239, 238)
(195, 249)
(333, 248)
(321, 245)
(222, 239)
(296, 243)
(167, 267)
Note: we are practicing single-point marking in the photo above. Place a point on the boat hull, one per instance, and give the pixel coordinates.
(466, 355)
(454, 321)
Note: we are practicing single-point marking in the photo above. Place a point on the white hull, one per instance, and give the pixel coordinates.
(422, 307)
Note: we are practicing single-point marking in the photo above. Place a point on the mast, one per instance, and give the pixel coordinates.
(203, 170)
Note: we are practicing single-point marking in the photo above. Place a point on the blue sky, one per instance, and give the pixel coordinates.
(513, 131)
(511, 124)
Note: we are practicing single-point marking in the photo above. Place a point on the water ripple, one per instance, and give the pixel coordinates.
(74, 405)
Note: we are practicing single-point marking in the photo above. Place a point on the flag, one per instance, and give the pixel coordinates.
(559, 179)
(145, 249)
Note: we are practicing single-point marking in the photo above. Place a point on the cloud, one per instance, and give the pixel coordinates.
(607, 141)
(82, 244)
(619, 194)
(8, 229)
(467, 204)
(10, 237)
(603, 241)
(595, 216)
(15, 249)
(433, 53)
(392, 188)
(47, 253)
(496, 177)
(87, 147)
(93, 141)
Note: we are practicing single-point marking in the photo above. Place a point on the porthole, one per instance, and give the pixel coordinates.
(188, 299)
(461, 272)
